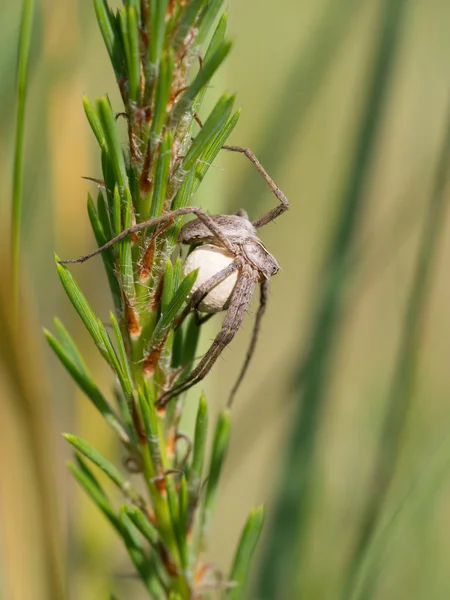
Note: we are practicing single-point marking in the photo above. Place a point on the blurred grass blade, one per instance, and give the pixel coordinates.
(161, 176)
(82, 307)
(85, 381)
(157, 23)
(211, 128)
(150, 421)
(162, 96)
(114, 145)
(130, 37)
(169, 287)
(244, 553)
(102, 463)
(94, 121)
(207, 20)
(281, 568)
(182, 529)
(141, 522)
(219, 451)
(207, 158)
(200, 435)
(201, 80)
(187, 21)
(178, 300)
(96, 494)
(82, 465)
(101, 238)
(17, 192)
(27, 458)
(402, 384)
(108, 28)
(144, 567)
(296, 97)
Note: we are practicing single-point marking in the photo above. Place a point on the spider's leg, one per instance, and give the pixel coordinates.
(240, 300)
(264, 294)
(168, 216)
(284, 202)
(204, 290)
(202, 320)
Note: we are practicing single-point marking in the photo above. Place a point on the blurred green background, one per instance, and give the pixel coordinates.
(300, 70)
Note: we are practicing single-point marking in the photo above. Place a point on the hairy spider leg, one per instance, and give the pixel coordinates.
(264, 295)
(240, 300)
(204, 290)
(274, 213)
(186, 210)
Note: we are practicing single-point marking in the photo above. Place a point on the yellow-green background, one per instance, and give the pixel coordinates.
(299, 71)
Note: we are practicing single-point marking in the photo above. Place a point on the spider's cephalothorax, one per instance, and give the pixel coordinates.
(211, 257)
(231, 260)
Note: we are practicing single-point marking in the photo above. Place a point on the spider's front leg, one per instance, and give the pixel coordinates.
(168, 216)
(284, 202)
(240, 300)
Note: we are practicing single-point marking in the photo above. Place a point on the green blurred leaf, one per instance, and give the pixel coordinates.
(187, 21)
(144, 565)
(150, 420)
(283, 558)
(108, 28)
(210, 153)
(157, 25)
(107, 256)
(82, 465)
(94, 121)
(97, 458)
(208, 18)
(403, 380)
(162, 96)
(181, 199)
(161, 176)
(201, 80)
(114, 146)
(169, 287)
(215, 123)
(96, 495)
(141, 522)
(26, 25)
(219, 451)
(182, 529)
(83, 378)
(178, 300)
(82, 307)
(200, 437)
(130, 37)
(244, 553)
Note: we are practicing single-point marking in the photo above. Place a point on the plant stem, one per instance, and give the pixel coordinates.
(16, 216)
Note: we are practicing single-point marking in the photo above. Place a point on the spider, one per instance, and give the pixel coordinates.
(232, 261)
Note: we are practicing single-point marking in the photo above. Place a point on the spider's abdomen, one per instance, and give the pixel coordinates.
(210, 260)
(233, 227)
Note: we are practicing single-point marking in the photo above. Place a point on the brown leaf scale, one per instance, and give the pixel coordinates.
(150, 361)
(147, 261)
(155, 299)
(171, 440)
(132, 319)
(168, 561)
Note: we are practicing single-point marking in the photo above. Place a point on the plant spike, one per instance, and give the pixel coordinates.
(155, 48)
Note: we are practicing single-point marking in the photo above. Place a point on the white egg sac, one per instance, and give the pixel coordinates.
(210, 260)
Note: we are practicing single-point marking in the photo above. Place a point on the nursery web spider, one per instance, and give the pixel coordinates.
(232, 260)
